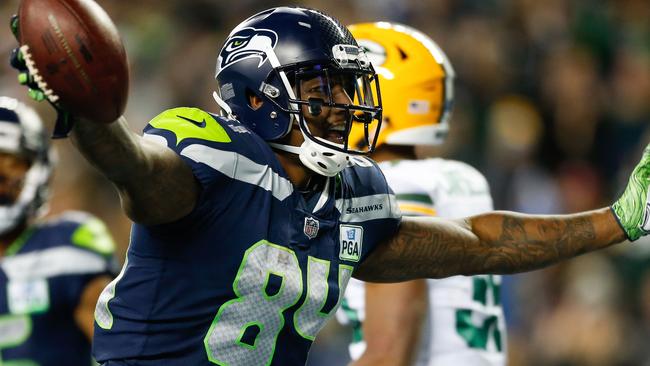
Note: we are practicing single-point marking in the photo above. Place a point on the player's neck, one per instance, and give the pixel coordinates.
(10, 237)
(298, 174)
(393, 152)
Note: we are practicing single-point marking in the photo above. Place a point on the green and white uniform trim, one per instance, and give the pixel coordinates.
(465, 323)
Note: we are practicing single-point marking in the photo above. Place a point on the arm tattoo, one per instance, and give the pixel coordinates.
(526, 244)
(155, 185)
(496, 242)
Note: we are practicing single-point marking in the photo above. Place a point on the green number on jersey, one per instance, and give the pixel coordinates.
(103, 315)
(486, 292)
(310, 318)
(14, 330)
(256, 313)
(245, 329)
(252, 307)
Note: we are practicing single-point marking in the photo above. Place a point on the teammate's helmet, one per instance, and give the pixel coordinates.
(416, 79)
(22, 133)
(269, 54)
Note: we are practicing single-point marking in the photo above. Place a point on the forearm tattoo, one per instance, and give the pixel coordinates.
(526, 244)
(491, 243)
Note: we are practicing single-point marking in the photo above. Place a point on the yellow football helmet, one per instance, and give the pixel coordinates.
(416, 81)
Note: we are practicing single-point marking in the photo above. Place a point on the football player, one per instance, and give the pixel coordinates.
(248, 226)
(51, 271)
(452, 321)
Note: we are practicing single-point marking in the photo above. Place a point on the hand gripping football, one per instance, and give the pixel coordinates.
(74, 53)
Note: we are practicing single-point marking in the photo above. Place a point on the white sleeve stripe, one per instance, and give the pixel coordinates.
(52, 262)
(241, 168)
(360, 209)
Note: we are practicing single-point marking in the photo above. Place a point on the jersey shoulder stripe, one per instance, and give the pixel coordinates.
(73, 243)
(241, 168)
(88, 231)
(52, 262)
(365, 193)
(219, 150)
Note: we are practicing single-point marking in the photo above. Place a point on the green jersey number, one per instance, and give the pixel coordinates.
(14, 331)
(245, 329)
(476, 328)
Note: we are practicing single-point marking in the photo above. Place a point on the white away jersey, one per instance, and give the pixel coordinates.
(465, 324)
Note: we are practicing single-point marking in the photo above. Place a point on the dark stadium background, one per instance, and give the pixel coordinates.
(553, 106)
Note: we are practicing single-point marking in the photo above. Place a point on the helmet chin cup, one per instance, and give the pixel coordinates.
(316, 157)
(322, 160)
(10, 218)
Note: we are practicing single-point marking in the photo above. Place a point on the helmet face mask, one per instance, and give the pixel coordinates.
(332, 103)
(308, 71)
(26, 161)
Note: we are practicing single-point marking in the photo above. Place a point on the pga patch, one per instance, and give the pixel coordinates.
(350, 244)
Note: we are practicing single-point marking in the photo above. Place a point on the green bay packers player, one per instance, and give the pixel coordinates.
(452, 321)
(249, 225)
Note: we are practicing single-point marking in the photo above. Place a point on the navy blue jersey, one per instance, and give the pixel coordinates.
(253, 273)
(42, 277)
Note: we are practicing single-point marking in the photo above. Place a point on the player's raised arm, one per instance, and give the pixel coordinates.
(89, 89)
(155, 185)
(506, 242)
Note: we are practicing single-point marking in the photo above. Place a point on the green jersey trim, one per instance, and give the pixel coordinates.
(19, 243)
(93, 235)
(188, 123)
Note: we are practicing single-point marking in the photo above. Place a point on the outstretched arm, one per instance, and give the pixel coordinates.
(155, 185)
(507, 242)
(496, 242)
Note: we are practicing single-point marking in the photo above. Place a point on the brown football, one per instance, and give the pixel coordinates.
(74, 52)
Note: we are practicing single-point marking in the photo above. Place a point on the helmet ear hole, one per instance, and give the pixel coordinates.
(402, 54)
(255, 102)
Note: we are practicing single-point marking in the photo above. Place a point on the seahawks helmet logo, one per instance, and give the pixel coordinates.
(247, 43)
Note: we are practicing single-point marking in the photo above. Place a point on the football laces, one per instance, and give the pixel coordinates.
(38, 78)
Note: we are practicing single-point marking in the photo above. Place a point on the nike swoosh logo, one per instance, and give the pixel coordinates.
(201, 124)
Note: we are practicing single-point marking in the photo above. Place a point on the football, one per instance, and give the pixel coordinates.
(75, 55)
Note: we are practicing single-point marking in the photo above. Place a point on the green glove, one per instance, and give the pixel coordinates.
(632, 210)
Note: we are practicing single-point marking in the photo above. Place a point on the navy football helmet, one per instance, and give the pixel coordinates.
(22, 133)
(278, 53)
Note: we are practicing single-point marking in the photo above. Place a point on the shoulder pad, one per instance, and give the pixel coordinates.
(360, 161)
(190, 123)
(92, 234)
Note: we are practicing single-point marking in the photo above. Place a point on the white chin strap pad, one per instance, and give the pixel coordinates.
(317, 158)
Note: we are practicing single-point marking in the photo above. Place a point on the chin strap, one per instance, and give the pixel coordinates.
(287, 148)
(319, 159)
(223, 105)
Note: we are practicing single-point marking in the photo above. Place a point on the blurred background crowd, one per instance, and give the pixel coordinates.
(553, 106)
